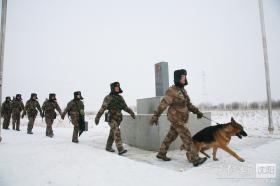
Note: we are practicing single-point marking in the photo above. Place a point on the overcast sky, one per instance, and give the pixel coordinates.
(62, 46)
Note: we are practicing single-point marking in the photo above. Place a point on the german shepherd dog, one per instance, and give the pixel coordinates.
(218, 137)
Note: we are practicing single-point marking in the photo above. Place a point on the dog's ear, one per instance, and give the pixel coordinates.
(232, 120)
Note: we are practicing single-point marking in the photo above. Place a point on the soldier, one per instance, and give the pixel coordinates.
(32, 107)
(49, 107)
(75, 109)
(115, 103)
(17, 107)
(6, 112)
(180, 105)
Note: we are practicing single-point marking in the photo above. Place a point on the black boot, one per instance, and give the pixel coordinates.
(75, 141)
(163, 157)
(110, 150)
(122, 151)
(199, 161)
(29, 132)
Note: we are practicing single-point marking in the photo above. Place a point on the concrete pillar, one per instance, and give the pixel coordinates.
(161, 78)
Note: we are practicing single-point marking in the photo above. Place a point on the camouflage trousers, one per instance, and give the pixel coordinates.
(16, 121)
(49, 123)
(31, 121)
(76, 129)
(185, 135)
(6, 122)
(114, 135)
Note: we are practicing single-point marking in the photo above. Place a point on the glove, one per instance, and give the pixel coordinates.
(199, 115)
(97, 120)
(154, 120)
(42, 114)
(132, 115)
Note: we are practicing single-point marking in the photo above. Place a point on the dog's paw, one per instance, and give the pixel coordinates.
(241, 159)
(215, 159)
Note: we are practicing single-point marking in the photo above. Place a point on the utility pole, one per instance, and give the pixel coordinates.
(267, 76)
(2, 46)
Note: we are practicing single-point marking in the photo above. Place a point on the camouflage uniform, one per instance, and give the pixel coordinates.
(114, 103)
(17, 107)
(75, 110)
(49, 107)
(6, 112)
(31, 108)
(178, 101)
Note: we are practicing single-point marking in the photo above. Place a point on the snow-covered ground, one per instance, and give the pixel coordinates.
(35, 160)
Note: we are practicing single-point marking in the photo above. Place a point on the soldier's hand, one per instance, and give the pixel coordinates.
(154, 120)
(42, 115)
(132, 115)
(199, 115)
(97, 120)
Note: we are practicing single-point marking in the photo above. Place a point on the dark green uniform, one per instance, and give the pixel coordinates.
(32, 107)
(17, 107)
(6, 112)
(49, 107)
(114, 103)
(75, 110)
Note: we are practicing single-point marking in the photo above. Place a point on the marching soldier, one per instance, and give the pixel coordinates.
(178, 101)
(115, 103)
(49, 107)
(17, 107)
(6, 112)
(75, 109)
(32, 107)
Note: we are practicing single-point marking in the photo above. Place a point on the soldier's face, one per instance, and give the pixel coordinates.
(183, 79)
(79, 96)
(117, 89)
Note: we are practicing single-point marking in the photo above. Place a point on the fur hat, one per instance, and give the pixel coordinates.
(177, 76)
(18, 96)
(113, 85)
(33, 95)
(78, 93)
(52, 96)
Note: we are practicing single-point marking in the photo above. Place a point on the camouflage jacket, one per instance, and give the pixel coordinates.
(179, 105)
(49, 108)
(31, 108)
(75, 109)
(17, 106)
(115, 104)
(6, 108)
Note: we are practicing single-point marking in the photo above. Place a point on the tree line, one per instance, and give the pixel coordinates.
(255, 105)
